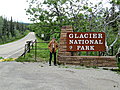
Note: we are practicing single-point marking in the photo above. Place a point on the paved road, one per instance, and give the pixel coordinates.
(38, 76)
(15, 49)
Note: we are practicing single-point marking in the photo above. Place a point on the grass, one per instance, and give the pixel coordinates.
(42, 55)
(7, 60)
(1, 58)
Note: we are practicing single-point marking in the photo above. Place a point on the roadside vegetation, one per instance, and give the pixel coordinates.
(42, 55)
(1, 58)
(11, 30)
(7, 59)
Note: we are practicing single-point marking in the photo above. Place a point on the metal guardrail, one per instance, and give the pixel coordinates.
(28, 47)
(31, 44)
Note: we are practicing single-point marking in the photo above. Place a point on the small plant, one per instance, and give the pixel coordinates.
(8, 59)
(88, 66)
(95, 67)
(1, 58)
(81, 64)
(119, 65)
(78, 68)
(105, 69)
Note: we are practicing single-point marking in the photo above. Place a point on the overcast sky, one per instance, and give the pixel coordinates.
(15, 8)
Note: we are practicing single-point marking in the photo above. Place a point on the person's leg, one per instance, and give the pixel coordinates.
(55, 58)
(50, 59)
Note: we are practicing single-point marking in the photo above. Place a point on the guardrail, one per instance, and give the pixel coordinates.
(28, 46)
(31, 44)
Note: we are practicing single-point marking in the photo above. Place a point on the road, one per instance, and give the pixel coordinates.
(39, 76)
(15, 49)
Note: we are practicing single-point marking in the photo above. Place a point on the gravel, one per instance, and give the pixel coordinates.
(39, 76)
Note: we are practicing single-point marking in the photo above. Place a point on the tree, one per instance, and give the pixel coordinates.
(12, 27)
(10, 30)
(1, 25)
(49, 15)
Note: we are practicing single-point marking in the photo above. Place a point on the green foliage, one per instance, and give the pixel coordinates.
(10, 31)
(90, 9)
(116, 2)
(83, 15)
(42, 55)
(28, 58)
(8, 59)
(1, 58)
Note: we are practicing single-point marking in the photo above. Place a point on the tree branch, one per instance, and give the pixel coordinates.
(114, 42)
(113, 20)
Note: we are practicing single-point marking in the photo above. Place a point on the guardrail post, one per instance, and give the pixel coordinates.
(28, 46)
(35, 50)
(32, 44)
(112, 50)
(25, 49)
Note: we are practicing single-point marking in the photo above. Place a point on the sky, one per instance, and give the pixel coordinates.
(16, 9)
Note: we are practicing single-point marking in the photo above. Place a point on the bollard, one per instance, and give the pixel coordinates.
(35, 50)
(25, 49)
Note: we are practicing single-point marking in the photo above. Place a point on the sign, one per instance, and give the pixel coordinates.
(86, 41)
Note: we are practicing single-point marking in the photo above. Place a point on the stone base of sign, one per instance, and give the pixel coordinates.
(63, 40)
(100, 61)
(65, 57)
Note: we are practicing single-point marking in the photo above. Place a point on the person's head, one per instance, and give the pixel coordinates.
(53, 39)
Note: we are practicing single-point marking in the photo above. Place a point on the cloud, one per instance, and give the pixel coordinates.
(14, 8)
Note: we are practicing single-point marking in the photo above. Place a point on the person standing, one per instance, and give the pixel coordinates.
(53, 46)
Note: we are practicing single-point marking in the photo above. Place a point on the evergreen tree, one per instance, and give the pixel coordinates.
(12, 28)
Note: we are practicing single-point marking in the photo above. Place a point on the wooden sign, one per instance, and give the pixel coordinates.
(86, 41)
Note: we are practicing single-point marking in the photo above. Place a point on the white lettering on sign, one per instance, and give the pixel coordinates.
(76, 36)
(70, 41)
(86, 35)
(85, 48)
(100, 36)
(94, 35)
(85, 42)
(70, 35)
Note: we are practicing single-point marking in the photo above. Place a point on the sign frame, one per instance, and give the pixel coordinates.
(85, 41)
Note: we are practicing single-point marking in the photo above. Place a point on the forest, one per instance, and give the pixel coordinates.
(11, 30)
(83, 15)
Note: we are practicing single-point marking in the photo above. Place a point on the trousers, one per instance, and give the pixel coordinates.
(51, 58)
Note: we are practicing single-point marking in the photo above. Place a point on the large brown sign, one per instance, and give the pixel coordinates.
(86, 41)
